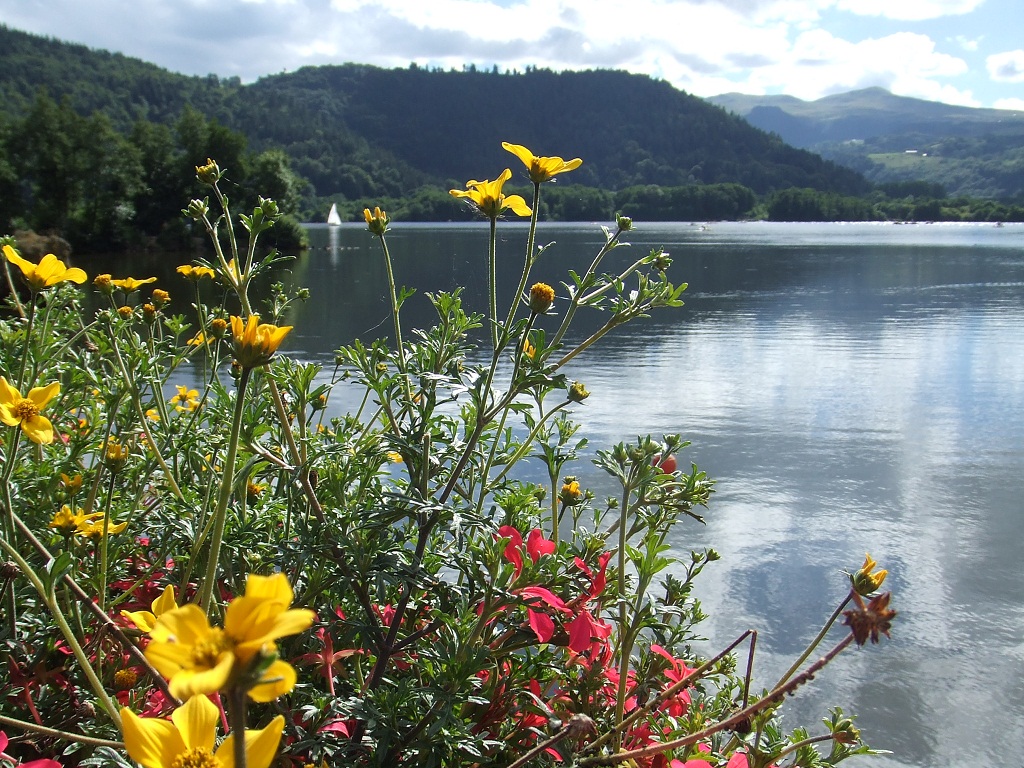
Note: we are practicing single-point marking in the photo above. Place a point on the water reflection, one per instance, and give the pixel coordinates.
(851, 388)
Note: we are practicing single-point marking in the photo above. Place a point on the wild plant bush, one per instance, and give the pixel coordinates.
(393, 586)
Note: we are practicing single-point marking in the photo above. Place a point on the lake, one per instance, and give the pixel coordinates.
(852, 388)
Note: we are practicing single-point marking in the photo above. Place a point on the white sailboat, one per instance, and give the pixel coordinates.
(333, 219)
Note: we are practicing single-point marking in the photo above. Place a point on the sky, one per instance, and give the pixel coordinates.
(966, 52)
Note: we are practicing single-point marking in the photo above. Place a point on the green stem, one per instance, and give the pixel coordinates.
(816, 641)
(227, 482)
(492, 285)
(103, 542)
(528, 263)
(394, 314)
(238, 702)
(574, 303)
(11, 722)
(50, 599)
(28, 340)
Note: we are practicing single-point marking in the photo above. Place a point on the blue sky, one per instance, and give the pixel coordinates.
(968, 52)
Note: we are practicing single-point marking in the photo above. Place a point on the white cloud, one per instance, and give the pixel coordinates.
(968, 43)
(1006, 67)
(804, 47)
(909, 10)
(819, 63)
(1015, 104)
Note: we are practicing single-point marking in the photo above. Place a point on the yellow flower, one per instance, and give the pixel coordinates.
(195, 273)
(188, 740)
(130, 284)
(254, 342)
(186, 399)
(48, 272)
(115, 455)
(126, 312)
(377, 221)
(16, 410)
(487, 196)
(152, 414)
(71, 484)
(68, 521)
(146, 620)
(395, 457)
(199, 659)
(93, 529)
(541, 169)
(528, 349)
(867, 580)
(254, 490)
(160, 297)
(570, 493)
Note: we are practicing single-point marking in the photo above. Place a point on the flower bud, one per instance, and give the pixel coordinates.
(197, 209)
(270, 208)
(624, 223)
(570, 493)
(218, 327)
(148, 313)
(160, 297)
(125, 312)
(209, 173)
(867, 580)
(377, 222)
(115, 456)
(542, 296)
(104, 284)
(578, 393)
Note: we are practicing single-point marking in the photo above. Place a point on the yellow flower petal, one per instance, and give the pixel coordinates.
(42, 395)
(165, 602)
(38, 429)
(278, 679)
(196, 721)
(143, 620)
(191, 682)
(150, 741)
(260, 746)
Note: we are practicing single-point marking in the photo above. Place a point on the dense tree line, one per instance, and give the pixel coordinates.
(101, 188)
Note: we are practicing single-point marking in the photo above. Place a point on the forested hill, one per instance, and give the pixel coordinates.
(356, 130)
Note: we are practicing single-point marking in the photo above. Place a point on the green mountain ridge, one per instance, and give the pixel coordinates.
(889, 138)
(355, 131)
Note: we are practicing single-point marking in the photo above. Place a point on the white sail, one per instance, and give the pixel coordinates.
(333, 219)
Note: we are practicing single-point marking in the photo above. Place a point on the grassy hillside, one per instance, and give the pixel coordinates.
(888, 138)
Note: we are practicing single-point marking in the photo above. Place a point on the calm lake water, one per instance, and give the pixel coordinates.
(852, 388)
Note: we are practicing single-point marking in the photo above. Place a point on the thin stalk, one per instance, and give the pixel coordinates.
(770, 700)
(624, 639)
(817, 640)
(49, 597)
(28, 340)
(12, 291)
(574, 303)
(237, 703)
(227, 482)
(11, 722)
(85, 599)
(103, 543)
(528, 263)
(395, 316)
(492, 285)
